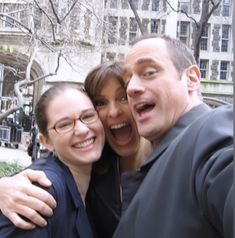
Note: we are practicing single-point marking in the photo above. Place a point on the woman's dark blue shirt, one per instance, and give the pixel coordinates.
(69, 217)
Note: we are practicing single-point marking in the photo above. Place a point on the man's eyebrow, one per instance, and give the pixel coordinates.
(146, 61)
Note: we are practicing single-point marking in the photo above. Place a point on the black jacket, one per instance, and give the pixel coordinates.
(103, 201)
(187, 190)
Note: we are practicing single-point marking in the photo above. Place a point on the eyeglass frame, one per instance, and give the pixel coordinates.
(75, 120)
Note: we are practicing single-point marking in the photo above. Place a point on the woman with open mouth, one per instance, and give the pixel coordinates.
(111, 190)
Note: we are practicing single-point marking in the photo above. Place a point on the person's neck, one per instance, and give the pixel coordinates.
(134, 162)
(82, 178)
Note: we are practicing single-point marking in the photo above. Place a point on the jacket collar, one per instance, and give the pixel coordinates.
(183, 122)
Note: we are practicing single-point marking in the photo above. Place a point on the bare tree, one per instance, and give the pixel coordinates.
(50, 24)
(207, 9)
(133, 8)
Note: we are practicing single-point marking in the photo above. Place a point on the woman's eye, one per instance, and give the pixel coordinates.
(64, 124)
(99, 103)
(124, 98)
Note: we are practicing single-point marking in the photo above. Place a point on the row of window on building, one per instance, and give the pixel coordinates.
(155, 5)
(221, 67)
(224, 33)
(224, 68)
(122, 30)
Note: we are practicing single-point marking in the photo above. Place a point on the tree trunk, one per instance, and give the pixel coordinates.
(137, 18)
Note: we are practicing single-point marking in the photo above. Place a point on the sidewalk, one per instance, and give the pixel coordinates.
(11, 155)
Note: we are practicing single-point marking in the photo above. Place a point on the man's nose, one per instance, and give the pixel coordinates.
(134, 86)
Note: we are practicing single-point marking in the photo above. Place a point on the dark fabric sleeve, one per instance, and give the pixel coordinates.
(8, 230)
(214, 175)
(214, 191)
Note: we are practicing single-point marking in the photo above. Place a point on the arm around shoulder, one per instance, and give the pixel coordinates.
(18, 196)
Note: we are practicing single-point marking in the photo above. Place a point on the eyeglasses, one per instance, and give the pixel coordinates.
(68, 124)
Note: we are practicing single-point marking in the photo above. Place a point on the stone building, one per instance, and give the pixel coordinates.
(160, 16)
(81, 35)
(63, 39)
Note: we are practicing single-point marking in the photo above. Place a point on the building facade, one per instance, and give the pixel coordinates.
(177, 19)
(65, 39)
(62, 39)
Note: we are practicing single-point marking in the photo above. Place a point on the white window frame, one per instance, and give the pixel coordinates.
(225, 38)
(204, 70)
(224, 71)
(183, 35)
(205, 38)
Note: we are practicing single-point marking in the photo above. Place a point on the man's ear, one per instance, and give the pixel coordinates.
(193, 78)
(46, 142)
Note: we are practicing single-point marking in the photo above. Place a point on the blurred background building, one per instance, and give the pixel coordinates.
(55, 40)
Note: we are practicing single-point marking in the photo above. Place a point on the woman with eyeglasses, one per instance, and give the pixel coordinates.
(111, 189)
(74, 134)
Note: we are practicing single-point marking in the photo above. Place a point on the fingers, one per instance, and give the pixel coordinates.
(40, 203)
(37, 176)
(19, 195)
(40, 200)
(32, 215)
(39, 193)
(23, 207)
(20, 223)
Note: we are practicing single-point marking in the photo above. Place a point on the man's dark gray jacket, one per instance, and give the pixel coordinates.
(186, 191)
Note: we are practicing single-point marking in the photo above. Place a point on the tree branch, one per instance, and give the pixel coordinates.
(48, 17)
(181, 11)
(136, 17)
(70, 9)
(15, 20)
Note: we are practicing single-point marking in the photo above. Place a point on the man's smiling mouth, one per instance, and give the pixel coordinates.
(144, 107)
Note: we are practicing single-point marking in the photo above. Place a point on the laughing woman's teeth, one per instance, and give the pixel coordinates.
(118, 126)
(85, 143)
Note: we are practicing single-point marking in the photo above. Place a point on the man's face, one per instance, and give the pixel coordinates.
(156, 94)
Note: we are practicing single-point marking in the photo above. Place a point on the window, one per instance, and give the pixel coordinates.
(184, 32)
(132, 29)
(225, 38)
(155, 25)
(155, 5)
(17, 11)
(112, 33)
(125, 4)
(184, 6)
(37, 16)
(226, 7)
(204, 38)
(1, 77)
(123, 30)
(224, 68)
(87, 23)
(204, 68)
(120, 56)
(145, 5)
(110, 56)
(136, 3)
(113, 3)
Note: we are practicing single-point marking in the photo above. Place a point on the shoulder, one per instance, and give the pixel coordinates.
(217, 124)
(56, 173)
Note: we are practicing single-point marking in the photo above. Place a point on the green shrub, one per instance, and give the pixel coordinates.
(7, 169)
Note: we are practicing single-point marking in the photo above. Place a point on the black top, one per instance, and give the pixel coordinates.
(187, 190)
(103, 199)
